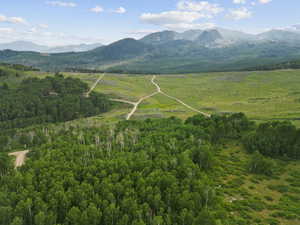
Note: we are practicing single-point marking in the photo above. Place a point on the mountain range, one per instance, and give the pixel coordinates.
(173, 52)
(30, 46)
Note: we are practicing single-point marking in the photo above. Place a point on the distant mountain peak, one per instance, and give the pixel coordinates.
(160, 37)
(209, 36)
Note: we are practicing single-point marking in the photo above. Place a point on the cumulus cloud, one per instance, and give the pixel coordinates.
(171, 17)
(44, 37)
(189, 26)
(61, 4)
(264, 1)
(202, 6)
(43, 26)
(6, 30)
(185, 16)
(15, 20)
(120, 10)
(239, 1)
(241, 13)
(97, 9)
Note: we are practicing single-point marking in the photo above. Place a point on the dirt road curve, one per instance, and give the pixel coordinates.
(176, 99)
(94, 85)
(121, 100)
(20, 157)
(137, 104)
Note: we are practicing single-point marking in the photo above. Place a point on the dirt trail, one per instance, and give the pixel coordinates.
(20, 157)
(176, 99)
(94, 85)
(135, 104)
(121, 100)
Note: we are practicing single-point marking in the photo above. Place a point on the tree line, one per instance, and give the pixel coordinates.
(52, 99)
(155, 172)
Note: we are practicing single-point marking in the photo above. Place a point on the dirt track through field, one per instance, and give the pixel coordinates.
(136, 104)
(176, 99)
(20, 157)
(94, 85)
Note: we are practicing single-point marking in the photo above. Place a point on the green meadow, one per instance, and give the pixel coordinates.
(267, 95)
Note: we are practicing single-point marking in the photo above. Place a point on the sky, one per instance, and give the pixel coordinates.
(64, 22)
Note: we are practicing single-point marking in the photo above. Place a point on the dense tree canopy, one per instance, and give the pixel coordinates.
(53, 99)
(138, 172)
(276, 139)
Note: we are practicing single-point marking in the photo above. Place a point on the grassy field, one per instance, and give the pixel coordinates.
(268, 95)
(262, 199)
(261, 95)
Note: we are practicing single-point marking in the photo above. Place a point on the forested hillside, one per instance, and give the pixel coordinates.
(156, 172)
(294, 64)
(52, 99)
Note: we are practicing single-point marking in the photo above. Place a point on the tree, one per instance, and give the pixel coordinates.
(40, 219)
(74, 216)
(203, 157)
(17, 221)
(261, 165)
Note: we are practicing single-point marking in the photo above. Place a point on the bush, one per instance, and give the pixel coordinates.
(261, 165)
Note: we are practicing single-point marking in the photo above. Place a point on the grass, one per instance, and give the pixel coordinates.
(259, 199)
(261, 95)
(267, 95)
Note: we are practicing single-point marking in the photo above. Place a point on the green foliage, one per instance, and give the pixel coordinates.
(139, 172)
(156, 171)
(222, 127)
(53, 99)
(261, 165)
(277, 139)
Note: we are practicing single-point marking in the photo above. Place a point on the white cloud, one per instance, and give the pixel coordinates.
(6, 30)
(15, 20)
(186, 15)
(264, 1)
(61, 4)
(171, 17)
(202, 6)
(120, 10)
(43, 26)
(44, 37)
(239, 1)
(241, 13)
(189, 26)
(97, 9)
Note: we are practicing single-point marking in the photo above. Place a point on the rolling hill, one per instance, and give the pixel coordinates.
(170, 52)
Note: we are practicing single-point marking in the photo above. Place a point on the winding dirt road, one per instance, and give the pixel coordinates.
(20, 157)
(94, 85)
(136, 104)
(176, 99)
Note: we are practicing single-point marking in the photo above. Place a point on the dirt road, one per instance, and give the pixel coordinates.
(176, 99)
(137, 104)
(94, 85)
(158, 90)
(20, 157)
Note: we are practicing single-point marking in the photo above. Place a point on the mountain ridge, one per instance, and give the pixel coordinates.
(169, 52)
(31, 46)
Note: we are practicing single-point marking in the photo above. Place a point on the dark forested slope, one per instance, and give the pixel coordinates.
(154, 172)
(53, 99)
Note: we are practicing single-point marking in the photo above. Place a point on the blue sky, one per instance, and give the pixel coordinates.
(59, 22)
